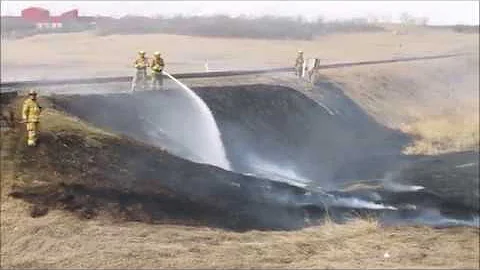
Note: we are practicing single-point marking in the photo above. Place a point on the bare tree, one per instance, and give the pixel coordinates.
(406, 18)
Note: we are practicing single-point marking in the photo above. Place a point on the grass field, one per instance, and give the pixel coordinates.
(84, 54)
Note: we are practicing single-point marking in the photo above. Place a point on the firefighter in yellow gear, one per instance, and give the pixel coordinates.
(157, 66)
(31, 117)
(299, 64)
(140, 64)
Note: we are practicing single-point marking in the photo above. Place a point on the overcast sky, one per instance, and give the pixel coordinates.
(439, 12)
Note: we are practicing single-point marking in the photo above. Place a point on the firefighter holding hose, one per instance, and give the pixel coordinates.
(31, 117)
(299, 64)
(140, 64)
(157, 66)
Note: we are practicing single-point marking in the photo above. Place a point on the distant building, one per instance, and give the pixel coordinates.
(34, 20)
(34, 14)
(42, 19)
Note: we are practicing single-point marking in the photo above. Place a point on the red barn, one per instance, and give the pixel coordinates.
(66, 16)
(70, 15)
(35, 15)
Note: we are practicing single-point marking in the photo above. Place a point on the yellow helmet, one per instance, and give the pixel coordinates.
(32, 92)
(157, 54)
(141, 52)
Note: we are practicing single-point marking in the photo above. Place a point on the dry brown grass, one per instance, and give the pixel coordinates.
(61, 241)
(84, 54)
(436, 101)
(444, 134)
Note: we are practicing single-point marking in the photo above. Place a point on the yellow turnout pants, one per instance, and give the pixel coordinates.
(157, 80)
(139, 79)
(32, 133)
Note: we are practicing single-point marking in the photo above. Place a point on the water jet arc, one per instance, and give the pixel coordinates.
(212, 151)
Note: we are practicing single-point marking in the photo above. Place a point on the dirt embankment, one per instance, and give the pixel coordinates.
(259, 123)
(276, 133)
(266, 126)
(280, 134)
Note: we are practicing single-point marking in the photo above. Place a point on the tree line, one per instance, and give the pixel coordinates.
(267, 27)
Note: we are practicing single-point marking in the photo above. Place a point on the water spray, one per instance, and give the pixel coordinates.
(216, 152)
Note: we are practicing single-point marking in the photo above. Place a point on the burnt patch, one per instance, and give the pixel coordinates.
(126, 180)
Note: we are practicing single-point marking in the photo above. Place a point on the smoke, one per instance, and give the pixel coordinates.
(359, 203)
(276, 172)
(396, 187)
(430, 217)
(389, 183)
